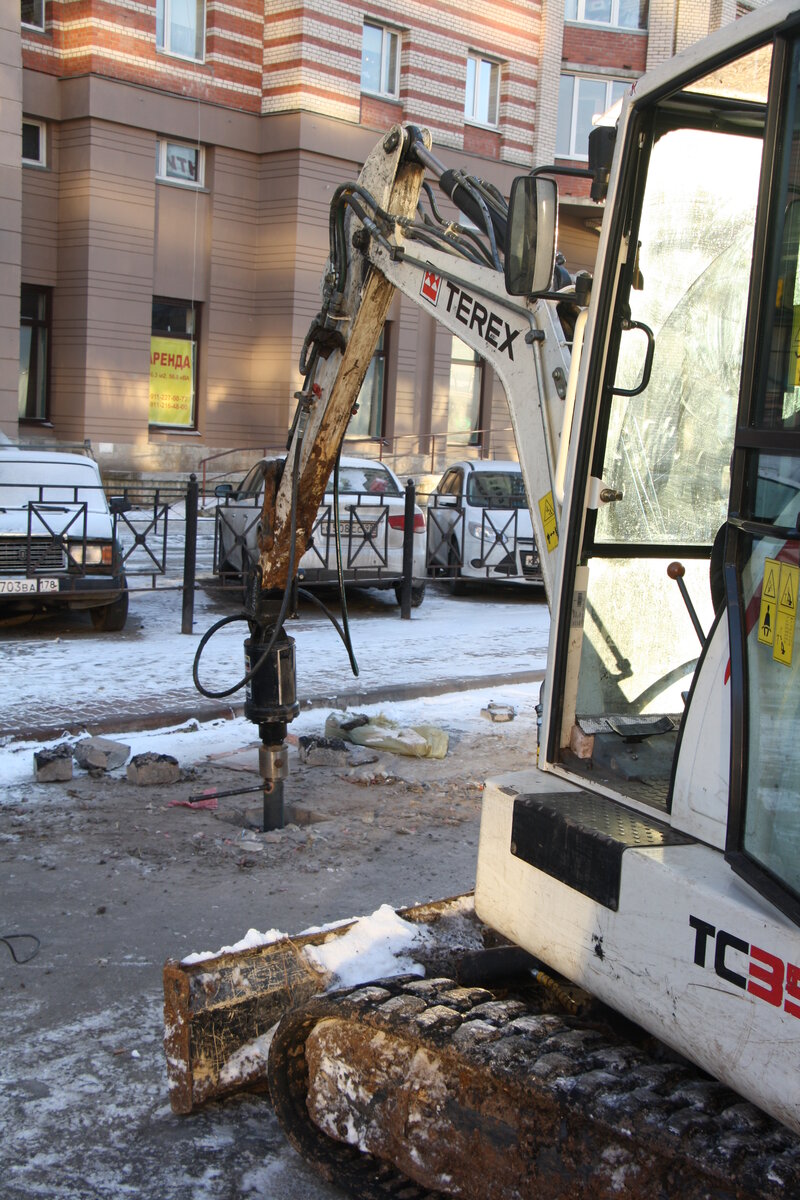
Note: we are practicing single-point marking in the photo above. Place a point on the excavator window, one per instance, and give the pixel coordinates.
(764, 829)
(665, 444)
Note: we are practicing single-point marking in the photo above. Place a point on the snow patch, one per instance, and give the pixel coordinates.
(375, 947)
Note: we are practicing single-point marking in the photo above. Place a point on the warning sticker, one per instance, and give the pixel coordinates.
(547, 510)
(787, 612)
(769, 602)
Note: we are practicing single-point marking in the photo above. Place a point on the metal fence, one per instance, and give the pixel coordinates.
(164, 541)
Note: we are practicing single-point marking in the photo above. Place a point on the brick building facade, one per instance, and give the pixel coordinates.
(167, 171)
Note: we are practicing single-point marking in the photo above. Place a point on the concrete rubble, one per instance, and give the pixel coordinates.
(153, 770)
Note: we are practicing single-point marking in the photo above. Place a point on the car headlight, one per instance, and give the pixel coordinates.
(475, 528)
(92, 554)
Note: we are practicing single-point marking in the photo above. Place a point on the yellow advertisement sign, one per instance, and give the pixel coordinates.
(547, 511)
(171, 381)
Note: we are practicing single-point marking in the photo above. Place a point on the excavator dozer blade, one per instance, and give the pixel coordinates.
(218, 1011)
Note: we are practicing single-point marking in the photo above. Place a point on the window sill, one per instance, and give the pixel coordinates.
(179, 183)
(481, 125)
(384, 96)
(32, 28)
(605, 25)
(31, 162)
(174, 429)
(187, 58)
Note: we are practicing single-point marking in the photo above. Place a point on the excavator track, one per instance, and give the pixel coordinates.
(421, 1089)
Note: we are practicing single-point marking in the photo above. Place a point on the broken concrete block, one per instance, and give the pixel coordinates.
(499, 712)
(53, 765)
(150, 769)
(361, 757)
(101, 754)
(317, 751)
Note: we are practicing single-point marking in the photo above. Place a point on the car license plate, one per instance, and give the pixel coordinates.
(14, 587)
(355, 530)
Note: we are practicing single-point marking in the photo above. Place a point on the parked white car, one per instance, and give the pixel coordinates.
(371, 529)
(57, 544)
(479, 525)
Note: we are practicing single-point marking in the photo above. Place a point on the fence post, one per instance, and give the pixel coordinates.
(408, 551)
(189, 555)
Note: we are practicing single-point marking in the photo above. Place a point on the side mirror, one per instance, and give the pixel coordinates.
(223, 490)
(531, 235)
(119, 504)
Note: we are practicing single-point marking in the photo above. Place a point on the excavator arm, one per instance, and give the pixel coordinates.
(383, 238)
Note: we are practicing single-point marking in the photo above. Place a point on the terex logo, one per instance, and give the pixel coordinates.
(768, 977)
(474, 315)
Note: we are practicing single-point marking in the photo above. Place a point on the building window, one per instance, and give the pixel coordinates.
(33, 13)
(482, 100)
(579, 100)
(173, 363)
(34, 143)
(34, 340)
(624, 14)
(179, 162)
(464, 403)
(380, 60)
(368, 420)
(180, 27)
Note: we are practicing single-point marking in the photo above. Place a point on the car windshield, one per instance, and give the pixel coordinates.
(365, 478)
(496, 489)
(43, 482)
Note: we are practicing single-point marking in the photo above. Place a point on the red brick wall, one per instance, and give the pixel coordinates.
(590, 46)
(485, 142)
(380, 114)
(104, 38)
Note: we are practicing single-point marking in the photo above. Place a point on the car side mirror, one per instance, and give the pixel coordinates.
(223, 490)
(530, 249)
(119, 504)
(446, 501)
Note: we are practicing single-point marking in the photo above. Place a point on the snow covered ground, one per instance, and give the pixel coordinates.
(111, 880)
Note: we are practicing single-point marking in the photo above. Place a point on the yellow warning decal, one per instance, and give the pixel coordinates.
(547, 510)
(787, 613)
(769, 602)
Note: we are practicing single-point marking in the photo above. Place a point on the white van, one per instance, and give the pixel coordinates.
(57, 545)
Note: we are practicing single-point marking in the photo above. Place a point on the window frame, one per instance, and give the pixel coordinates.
(375, 379)
(41, 161)
(32, 24)
(577, 79)
(460, 354)
(193, 338)
(162, 148)
(163, 19)
(44, 325)
(387, 89)
(478, 59)
(580, 17)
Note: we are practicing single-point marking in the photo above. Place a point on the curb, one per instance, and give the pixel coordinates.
(203, 710)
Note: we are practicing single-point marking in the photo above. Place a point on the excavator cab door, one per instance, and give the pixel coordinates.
(687, 439)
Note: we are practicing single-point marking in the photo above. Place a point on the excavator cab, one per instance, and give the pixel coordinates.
(654, 857)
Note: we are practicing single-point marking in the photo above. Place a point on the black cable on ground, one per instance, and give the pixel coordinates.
(11, 938)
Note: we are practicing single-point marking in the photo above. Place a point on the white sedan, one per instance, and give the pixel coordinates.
(371, 529)
(479, 525)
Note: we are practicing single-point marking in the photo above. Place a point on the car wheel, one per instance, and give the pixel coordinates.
(417, 593)
(111, 618)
